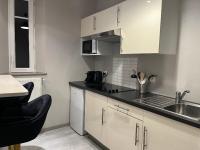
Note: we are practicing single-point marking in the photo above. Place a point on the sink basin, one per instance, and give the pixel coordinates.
(188, 110)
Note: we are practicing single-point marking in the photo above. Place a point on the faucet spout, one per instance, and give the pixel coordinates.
(184, 93)
(180, 96)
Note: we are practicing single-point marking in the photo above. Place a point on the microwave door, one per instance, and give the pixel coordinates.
(87, 47)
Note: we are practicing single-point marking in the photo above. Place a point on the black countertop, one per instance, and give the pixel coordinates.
(150, 102)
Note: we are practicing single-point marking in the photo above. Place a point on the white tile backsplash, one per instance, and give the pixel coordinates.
(119, 69)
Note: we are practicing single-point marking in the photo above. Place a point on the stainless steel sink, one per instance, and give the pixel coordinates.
(186, 109)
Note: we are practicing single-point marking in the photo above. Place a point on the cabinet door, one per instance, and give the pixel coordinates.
(123, 131)
(106, 20)
(87, 26)
(95, 108)
(166, 134)
(140, 22)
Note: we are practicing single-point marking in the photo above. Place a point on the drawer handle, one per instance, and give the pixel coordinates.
(94, 23)
(126, 109)
(102, 116)
(145, 138)
(118, 15)
(137, 134)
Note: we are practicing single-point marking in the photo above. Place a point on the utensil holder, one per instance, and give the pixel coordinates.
(143, 87)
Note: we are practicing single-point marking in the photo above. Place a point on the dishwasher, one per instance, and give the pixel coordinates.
(77, 110)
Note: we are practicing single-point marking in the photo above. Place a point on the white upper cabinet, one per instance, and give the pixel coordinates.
(88, 26)
(140, 23)
(107, 20)
(100, 22)
(149, 26)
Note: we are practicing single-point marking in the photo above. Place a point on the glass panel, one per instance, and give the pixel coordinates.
(21, 43)
(21, 8)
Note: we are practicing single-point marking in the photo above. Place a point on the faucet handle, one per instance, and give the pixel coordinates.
(187, 91)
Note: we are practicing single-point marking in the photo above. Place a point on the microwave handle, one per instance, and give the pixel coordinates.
(94, 46)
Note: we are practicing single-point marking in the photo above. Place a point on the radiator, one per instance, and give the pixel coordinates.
(37, 91)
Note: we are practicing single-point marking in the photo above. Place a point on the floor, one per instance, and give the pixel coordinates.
(60, 139)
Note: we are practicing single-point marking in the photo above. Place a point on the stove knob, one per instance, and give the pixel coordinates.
(113, 91)
(109, 91)
(117, 91)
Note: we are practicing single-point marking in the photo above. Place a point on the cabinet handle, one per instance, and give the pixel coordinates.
(126, 109)
(145, 138)
(137, 134)
(118, 14)
(116, 106)
(102, 116)
(94, 22)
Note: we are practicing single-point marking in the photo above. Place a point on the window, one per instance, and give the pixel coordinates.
(21, 36)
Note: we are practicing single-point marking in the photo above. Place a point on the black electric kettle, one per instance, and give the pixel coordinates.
(94, 77)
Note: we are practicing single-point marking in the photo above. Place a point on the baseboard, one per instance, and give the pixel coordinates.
(54, 127)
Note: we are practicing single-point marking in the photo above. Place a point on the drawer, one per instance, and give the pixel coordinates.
(126, 108)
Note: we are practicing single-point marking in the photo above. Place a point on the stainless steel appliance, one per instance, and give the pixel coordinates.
(89, 46)
(92, 45)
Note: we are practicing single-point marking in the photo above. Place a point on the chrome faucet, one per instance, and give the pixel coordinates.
(180, 96)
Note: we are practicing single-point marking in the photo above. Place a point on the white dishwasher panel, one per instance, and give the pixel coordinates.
(77, 106)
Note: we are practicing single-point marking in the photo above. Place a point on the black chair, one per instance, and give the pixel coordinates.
(12, 101)
(25, 123)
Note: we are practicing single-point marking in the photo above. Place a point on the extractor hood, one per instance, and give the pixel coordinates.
(109, 36)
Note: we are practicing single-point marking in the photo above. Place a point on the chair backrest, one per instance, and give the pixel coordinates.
(29, 86)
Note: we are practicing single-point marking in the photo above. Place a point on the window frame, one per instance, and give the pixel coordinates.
(11, 36)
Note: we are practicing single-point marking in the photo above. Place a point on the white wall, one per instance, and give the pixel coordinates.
(58, 51)
(165, 67)
(119, 69)
(4, 61)
(189, 49)
(180, 71)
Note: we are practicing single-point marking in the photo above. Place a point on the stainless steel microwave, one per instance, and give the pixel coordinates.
(89, 46)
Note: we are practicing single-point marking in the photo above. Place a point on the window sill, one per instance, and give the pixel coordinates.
(28, 73)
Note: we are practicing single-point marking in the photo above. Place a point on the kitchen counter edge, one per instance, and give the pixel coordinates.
(156, 110)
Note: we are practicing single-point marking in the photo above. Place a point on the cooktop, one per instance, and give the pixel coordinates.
(109, 88)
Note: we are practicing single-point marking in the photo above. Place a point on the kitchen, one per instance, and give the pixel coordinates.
(59, 60)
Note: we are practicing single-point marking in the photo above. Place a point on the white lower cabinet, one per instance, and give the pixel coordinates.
(123, 131)
(165, 134)
(95, 108)
(121, 127)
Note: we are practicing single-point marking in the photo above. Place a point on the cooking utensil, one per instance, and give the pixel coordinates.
(142, 76)
(151, 77)
(144, 80)
(134, 76)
